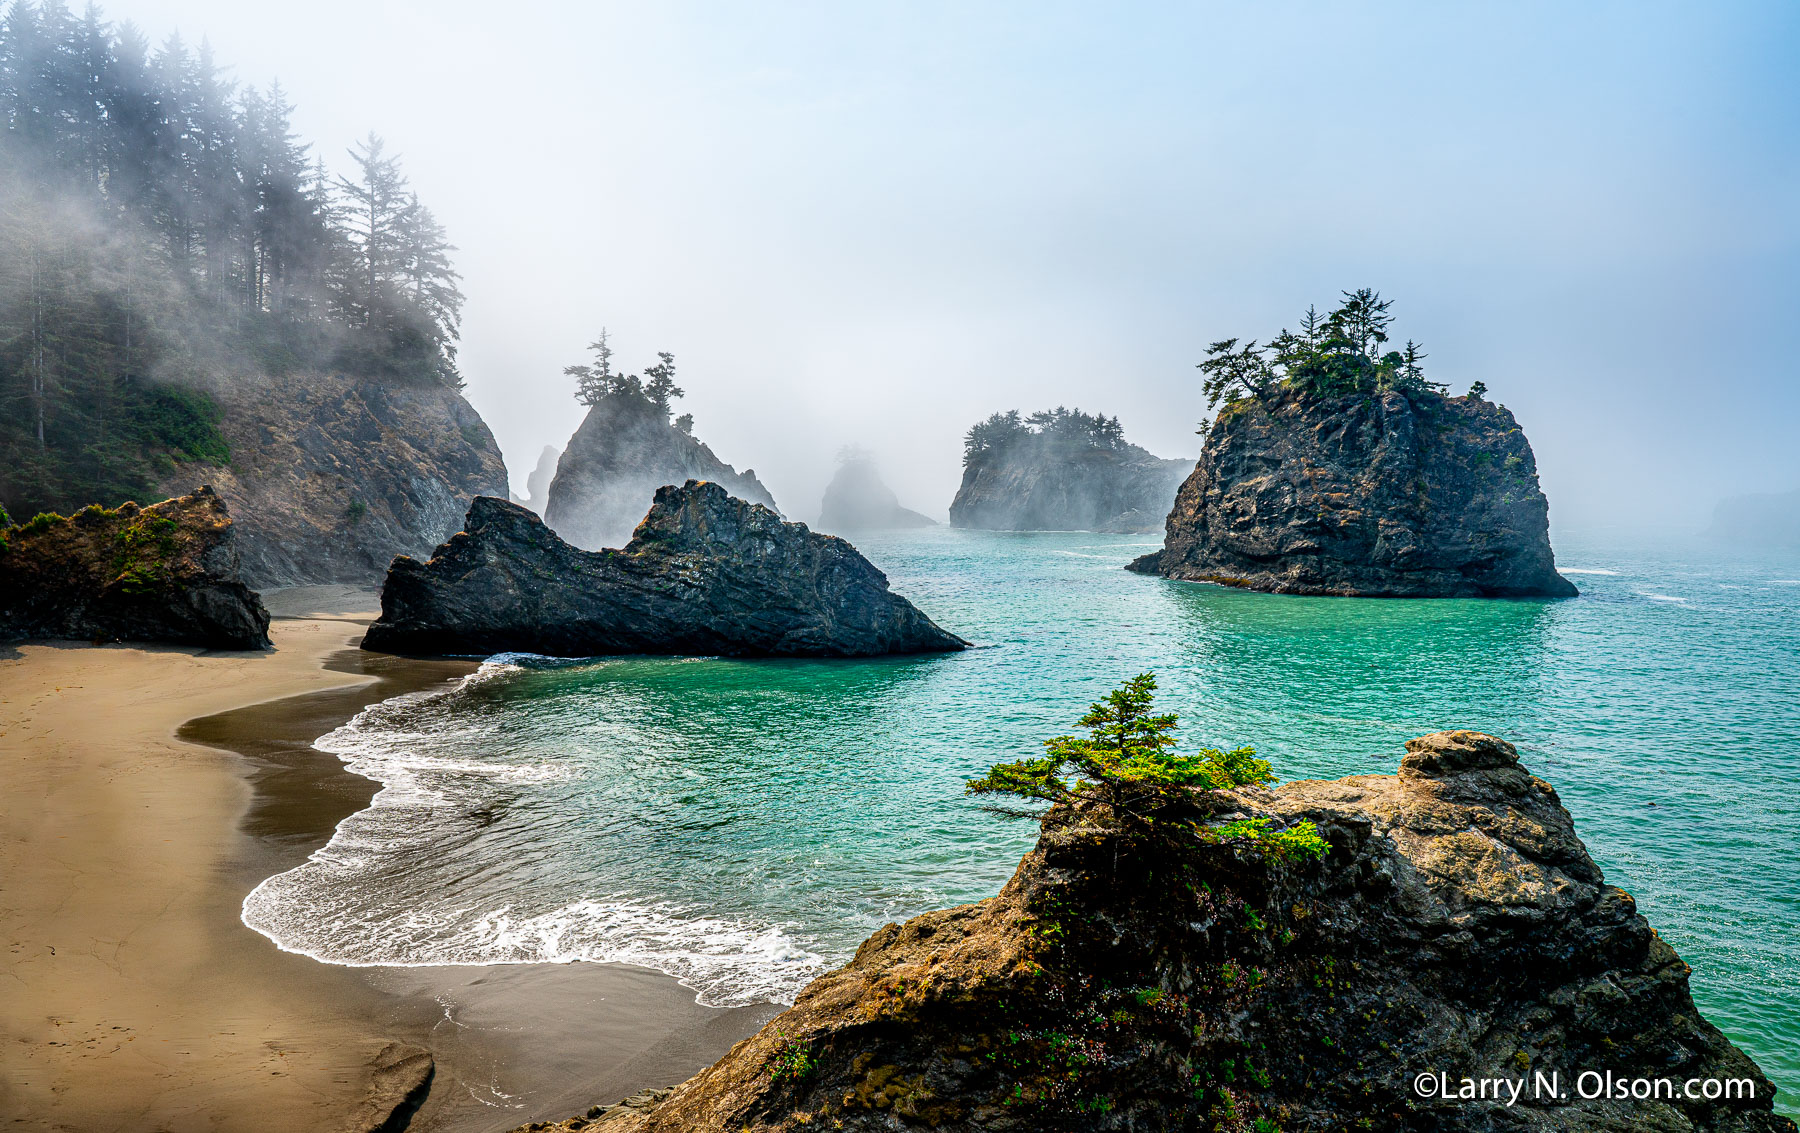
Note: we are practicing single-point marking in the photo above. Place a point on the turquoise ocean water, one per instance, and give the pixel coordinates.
(745, 824)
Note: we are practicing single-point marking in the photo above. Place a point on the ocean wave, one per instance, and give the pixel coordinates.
(1586, 570)
(354, 902)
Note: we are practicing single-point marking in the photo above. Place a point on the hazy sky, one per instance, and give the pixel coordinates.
(879, 223)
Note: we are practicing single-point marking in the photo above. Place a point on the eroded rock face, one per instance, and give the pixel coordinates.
(163, 573)
(858, 500)
(1043, 487)
(1161, 982)
(623, 452)
(704, 574)
(332, 476)
(1364, 496)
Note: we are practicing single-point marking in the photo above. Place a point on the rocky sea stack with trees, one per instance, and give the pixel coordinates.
(1187, 949)
(629, 445)
(1061, 470)
(705, 574)
(189, 295)
(1333, 467)
(163, 573)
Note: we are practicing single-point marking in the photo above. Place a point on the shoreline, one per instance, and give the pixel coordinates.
(150, 789)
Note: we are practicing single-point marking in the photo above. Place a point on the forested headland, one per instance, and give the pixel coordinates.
(163, 229)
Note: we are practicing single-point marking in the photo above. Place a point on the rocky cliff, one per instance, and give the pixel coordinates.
(1456, 932)
(625, 449)
(1042, 482)
(705, 573)
(858, 500)
(163, 573)
(332, 476)
(1367, 495)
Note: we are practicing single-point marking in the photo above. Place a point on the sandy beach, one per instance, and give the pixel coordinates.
(147, 791)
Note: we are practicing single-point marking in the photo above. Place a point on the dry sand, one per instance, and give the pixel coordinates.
(135, 999)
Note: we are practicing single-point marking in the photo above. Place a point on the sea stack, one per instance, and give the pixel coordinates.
(1173, 977)
(1061, 470)
(163, 573)
(858, 500)
(1372, 495)
(704, 574)
(626, 448)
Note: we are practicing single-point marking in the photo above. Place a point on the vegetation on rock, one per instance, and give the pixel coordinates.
(1125, 764)
(1330, 355)
(166, 572)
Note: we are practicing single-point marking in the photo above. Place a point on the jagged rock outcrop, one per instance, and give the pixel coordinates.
(1040, 482)
(332, 476)
(858, 500)
(1183, 981)
(1368, 496)
(625, 449)
(705, 573)
(164, 573)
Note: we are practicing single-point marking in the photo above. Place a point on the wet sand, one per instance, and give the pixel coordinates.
(135, 997)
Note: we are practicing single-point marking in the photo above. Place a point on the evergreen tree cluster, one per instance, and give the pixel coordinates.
(159, 222)
(1334, 354)
(654, 392)
(1060, 428)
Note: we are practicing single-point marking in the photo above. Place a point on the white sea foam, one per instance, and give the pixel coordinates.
(349, 904)
(1587, 570)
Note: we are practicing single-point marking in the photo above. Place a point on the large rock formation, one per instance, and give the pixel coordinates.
(1058, 478)
(705, 573)
(1371, 496)
(332, 476)
(858, 500)
(165, 573)
(625, 449)
(1456, 932)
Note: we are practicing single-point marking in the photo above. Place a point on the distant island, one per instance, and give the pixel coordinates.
(1767, 520)
(858, 500)
(629, 445)
(1061, 470)
(1334, 467)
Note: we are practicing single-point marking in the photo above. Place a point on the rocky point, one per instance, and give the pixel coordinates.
(705, 573)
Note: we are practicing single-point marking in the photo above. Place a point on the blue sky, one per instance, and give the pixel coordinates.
(877, 223)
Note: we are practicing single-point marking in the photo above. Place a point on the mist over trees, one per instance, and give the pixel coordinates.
(1058, 428)
(162, 227)
(1333, 354)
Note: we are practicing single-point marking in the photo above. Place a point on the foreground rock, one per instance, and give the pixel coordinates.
(704, 574)
(625, 449)
(1373, 496)
(1456, 927)
(163, 573)
(332, 476)
(858, 500)
(1061, 471)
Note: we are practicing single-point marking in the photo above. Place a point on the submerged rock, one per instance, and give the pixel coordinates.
(857, 500)
(705, 573)
(1061, 471)
(165, 573)
(1367, 496)
(625, 449)
(1456, 927)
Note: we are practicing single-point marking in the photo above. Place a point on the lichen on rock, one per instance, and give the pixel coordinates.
(163, 573)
